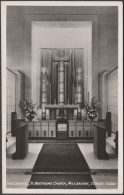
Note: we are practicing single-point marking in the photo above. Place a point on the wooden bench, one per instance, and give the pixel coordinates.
(21, 142)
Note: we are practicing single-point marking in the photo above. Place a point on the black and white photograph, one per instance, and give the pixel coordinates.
(61, 71)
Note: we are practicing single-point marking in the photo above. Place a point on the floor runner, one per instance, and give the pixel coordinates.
(60, 158)
(64, 158)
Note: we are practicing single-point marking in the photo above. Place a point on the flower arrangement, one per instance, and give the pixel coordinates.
(28, 109)
(92, 108)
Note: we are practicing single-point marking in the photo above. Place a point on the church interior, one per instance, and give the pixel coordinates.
(62, 97)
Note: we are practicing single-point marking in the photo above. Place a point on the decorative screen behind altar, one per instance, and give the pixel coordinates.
(73, 83)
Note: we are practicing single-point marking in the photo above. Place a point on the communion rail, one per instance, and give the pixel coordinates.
(49, 129)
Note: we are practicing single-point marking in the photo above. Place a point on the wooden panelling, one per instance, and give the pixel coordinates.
(44, 127)
(80, 129)
(72, 128)
(52, 129)
(76, 129)
(37, 129)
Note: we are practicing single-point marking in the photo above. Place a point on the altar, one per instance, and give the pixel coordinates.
(66, 111)
(60, 106)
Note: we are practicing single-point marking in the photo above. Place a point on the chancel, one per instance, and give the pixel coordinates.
(62, 95)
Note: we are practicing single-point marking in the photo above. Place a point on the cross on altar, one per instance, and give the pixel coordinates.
(61, 58)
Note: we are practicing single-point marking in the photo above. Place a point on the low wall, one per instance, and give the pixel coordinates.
(48, 128)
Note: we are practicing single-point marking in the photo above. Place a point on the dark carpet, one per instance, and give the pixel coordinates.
(60, 158)
(66, 158)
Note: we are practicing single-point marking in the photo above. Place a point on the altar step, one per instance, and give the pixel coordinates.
(73, 140)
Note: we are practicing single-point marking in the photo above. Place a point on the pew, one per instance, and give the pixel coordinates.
(14, 123)
(99, 144)
(21, 142)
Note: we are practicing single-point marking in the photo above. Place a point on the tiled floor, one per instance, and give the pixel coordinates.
(86, 148)
(94, 162)
(29, 160)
